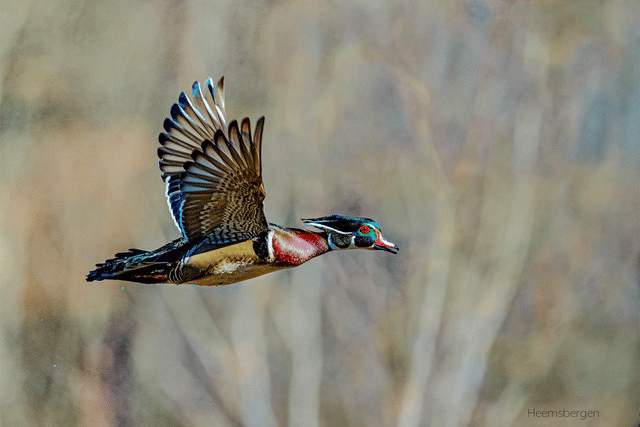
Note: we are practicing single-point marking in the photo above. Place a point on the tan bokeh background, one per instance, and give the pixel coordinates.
(496, 142)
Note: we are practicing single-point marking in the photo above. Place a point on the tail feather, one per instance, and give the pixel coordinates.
(141, 266)
(146, 273)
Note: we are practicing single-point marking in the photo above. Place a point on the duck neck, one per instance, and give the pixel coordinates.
(293, 246)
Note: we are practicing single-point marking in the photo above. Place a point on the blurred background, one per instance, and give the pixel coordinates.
(497, 142)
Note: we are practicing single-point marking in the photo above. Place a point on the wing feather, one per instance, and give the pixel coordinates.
(220, 142)
(244, 140)
(195, 168)
(206, 156)
(236, 141)
(213, 171)
(257, 138)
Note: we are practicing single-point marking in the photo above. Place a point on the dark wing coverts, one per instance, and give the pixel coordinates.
(213, 177)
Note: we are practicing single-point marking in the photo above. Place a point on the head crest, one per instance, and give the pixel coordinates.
(340, 223)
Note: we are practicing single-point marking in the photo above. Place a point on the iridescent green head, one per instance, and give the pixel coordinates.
(346, 232)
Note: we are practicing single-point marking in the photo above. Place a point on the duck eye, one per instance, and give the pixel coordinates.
(364, 229)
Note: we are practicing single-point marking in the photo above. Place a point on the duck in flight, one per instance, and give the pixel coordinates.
(213, 175)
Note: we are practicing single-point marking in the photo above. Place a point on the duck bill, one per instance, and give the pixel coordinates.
(385, 245)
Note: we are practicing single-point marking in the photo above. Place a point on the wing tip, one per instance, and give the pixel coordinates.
(182, 100)
(163, 138)
(168, 124)
(175, 110)
(195, 88)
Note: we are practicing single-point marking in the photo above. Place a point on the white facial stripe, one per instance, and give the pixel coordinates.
(270, 244)
(324, 227)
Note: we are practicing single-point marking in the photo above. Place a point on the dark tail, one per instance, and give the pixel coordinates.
(140, 266)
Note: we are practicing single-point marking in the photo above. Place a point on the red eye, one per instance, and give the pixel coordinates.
(365, 229)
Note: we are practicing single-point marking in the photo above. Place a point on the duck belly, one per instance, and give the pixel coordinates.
(224, 266)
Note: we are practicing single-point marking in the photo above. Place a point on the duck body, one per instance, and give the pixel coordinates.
(210, 264)
(213, 176)
(275, 250)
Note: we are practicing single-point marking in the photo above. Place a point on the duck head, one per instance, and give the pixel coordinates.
(345, 232)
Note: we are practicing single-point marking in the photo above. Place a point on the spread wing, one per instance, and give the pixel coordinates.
(213, 171)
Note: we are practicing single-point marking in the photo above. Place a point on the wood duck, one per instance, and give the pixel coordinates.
(213, 175)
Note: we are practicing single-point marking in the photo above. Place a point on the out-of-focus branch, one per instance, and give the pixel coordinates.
(435, 289)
